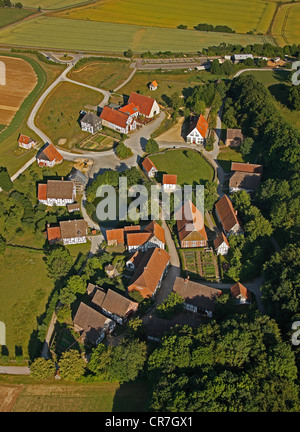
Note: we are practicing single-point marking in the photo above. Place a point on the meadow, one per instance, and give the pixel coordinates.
(102, 74)
(241, 15)
(59, 114)
(12, 15)
(59, 33)
(50, 4)
(286, 26)
(190, 167)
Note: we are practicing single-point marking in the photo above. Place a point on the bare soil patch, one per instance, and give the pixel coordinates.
(8, 396)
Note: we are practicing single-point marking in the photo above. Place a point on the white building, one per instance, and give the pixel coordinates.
(197, 131)
(169, 182)
(221, 244)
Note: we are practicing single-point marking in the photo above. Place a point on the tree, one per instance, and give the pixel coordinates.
(122, 151)
(5, 181)
(210, 195)
(67, 297)
(71, 365)
(128, 53)
(59, 262)
(199, 107)
(77, 284)
(18, 5)
(42, 369)
(246, 146)
(128, 359)
(215, 67)
(152, 146)
(171, 306)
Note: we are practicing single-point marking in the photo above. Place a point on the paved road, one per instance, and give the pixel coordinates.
(127, 80)
(14, 370)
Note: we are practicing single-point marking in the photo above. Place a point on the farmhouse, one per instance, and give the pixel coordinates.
(56, 192)
(190, 227)
(197, 131)
(130, 109)
(169, 182)
(234, 138)
(49, 156)
(221, 244)
(117, 120)
(90, 122)
(227, 216)
(114, 305)
(150, 272)
(197, 297)
(153, 86)
(240, 293)
(148, 107)
(26, 142)
(69, 232)
(245, 177)
(91, 324)
(73, 231)
(241, 57)
(152, 236)
(149, 167)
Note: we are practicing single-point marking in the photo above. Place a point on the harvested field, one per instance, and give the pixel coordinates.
(8, 396)
(286, 26)
(20, 81)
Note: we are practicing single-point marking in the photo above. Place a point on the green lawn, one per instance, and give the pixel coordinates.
(66, 34)
(191, 168)
(12, 15)
(59, 114)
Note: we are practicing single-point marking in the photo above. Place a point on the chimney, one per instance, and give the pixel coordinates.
(62, 179)
(48, 225)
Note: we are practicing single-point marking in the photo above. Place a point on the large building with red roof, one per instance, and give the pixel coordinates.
(190, 227)
(228, 217)
(148, 106)
(198, 130)
(49, 156)
(56, 192)
(117, 120)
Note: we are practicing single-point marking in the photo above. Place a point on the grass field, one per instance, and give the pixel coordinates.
(59, 114)
(190, 167)
(286, 26)
(38, 396)
(228, 155)
(240, 15)
(105, 75)
(24, 289)
(50, 4)
(48, 32)
(12, 15)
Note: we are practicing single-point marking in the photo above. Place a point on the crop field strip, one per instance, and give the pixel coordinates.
(48, 32)
(240, 15)
(286, 25)
(51, 4)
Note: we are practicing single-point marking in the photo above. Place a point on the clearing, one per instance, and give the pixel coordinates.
(59, 114)
(191, 168)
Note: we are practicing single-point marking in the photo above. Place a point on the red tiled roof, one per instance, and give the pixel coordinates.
(169, 179)
(148, 164)
(137, 239)
(115, 117)
(42, 192)
(155, 229)
(191, 218)
(246, 167)
(149, 272)
(129, 109)
(226, 213)
(200, 124)
(144, 103)
(53, 233)
(51, 154)
(135, 228)
(238, 289)
(219, 240)
(116, 234)
(154, 83)
(24, 139)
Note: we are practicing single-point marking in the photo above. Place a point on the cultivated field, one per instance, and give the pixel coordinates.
(286, 26)
(47, 32)
(240, 15)
(20, 81)
(59, 114)
(105, 75)
(8, 396)
(51, 4)
(11, 15)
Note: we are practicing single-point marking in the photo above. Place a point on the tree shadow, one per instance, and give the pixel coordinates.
(280, 92)
(132, 397)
